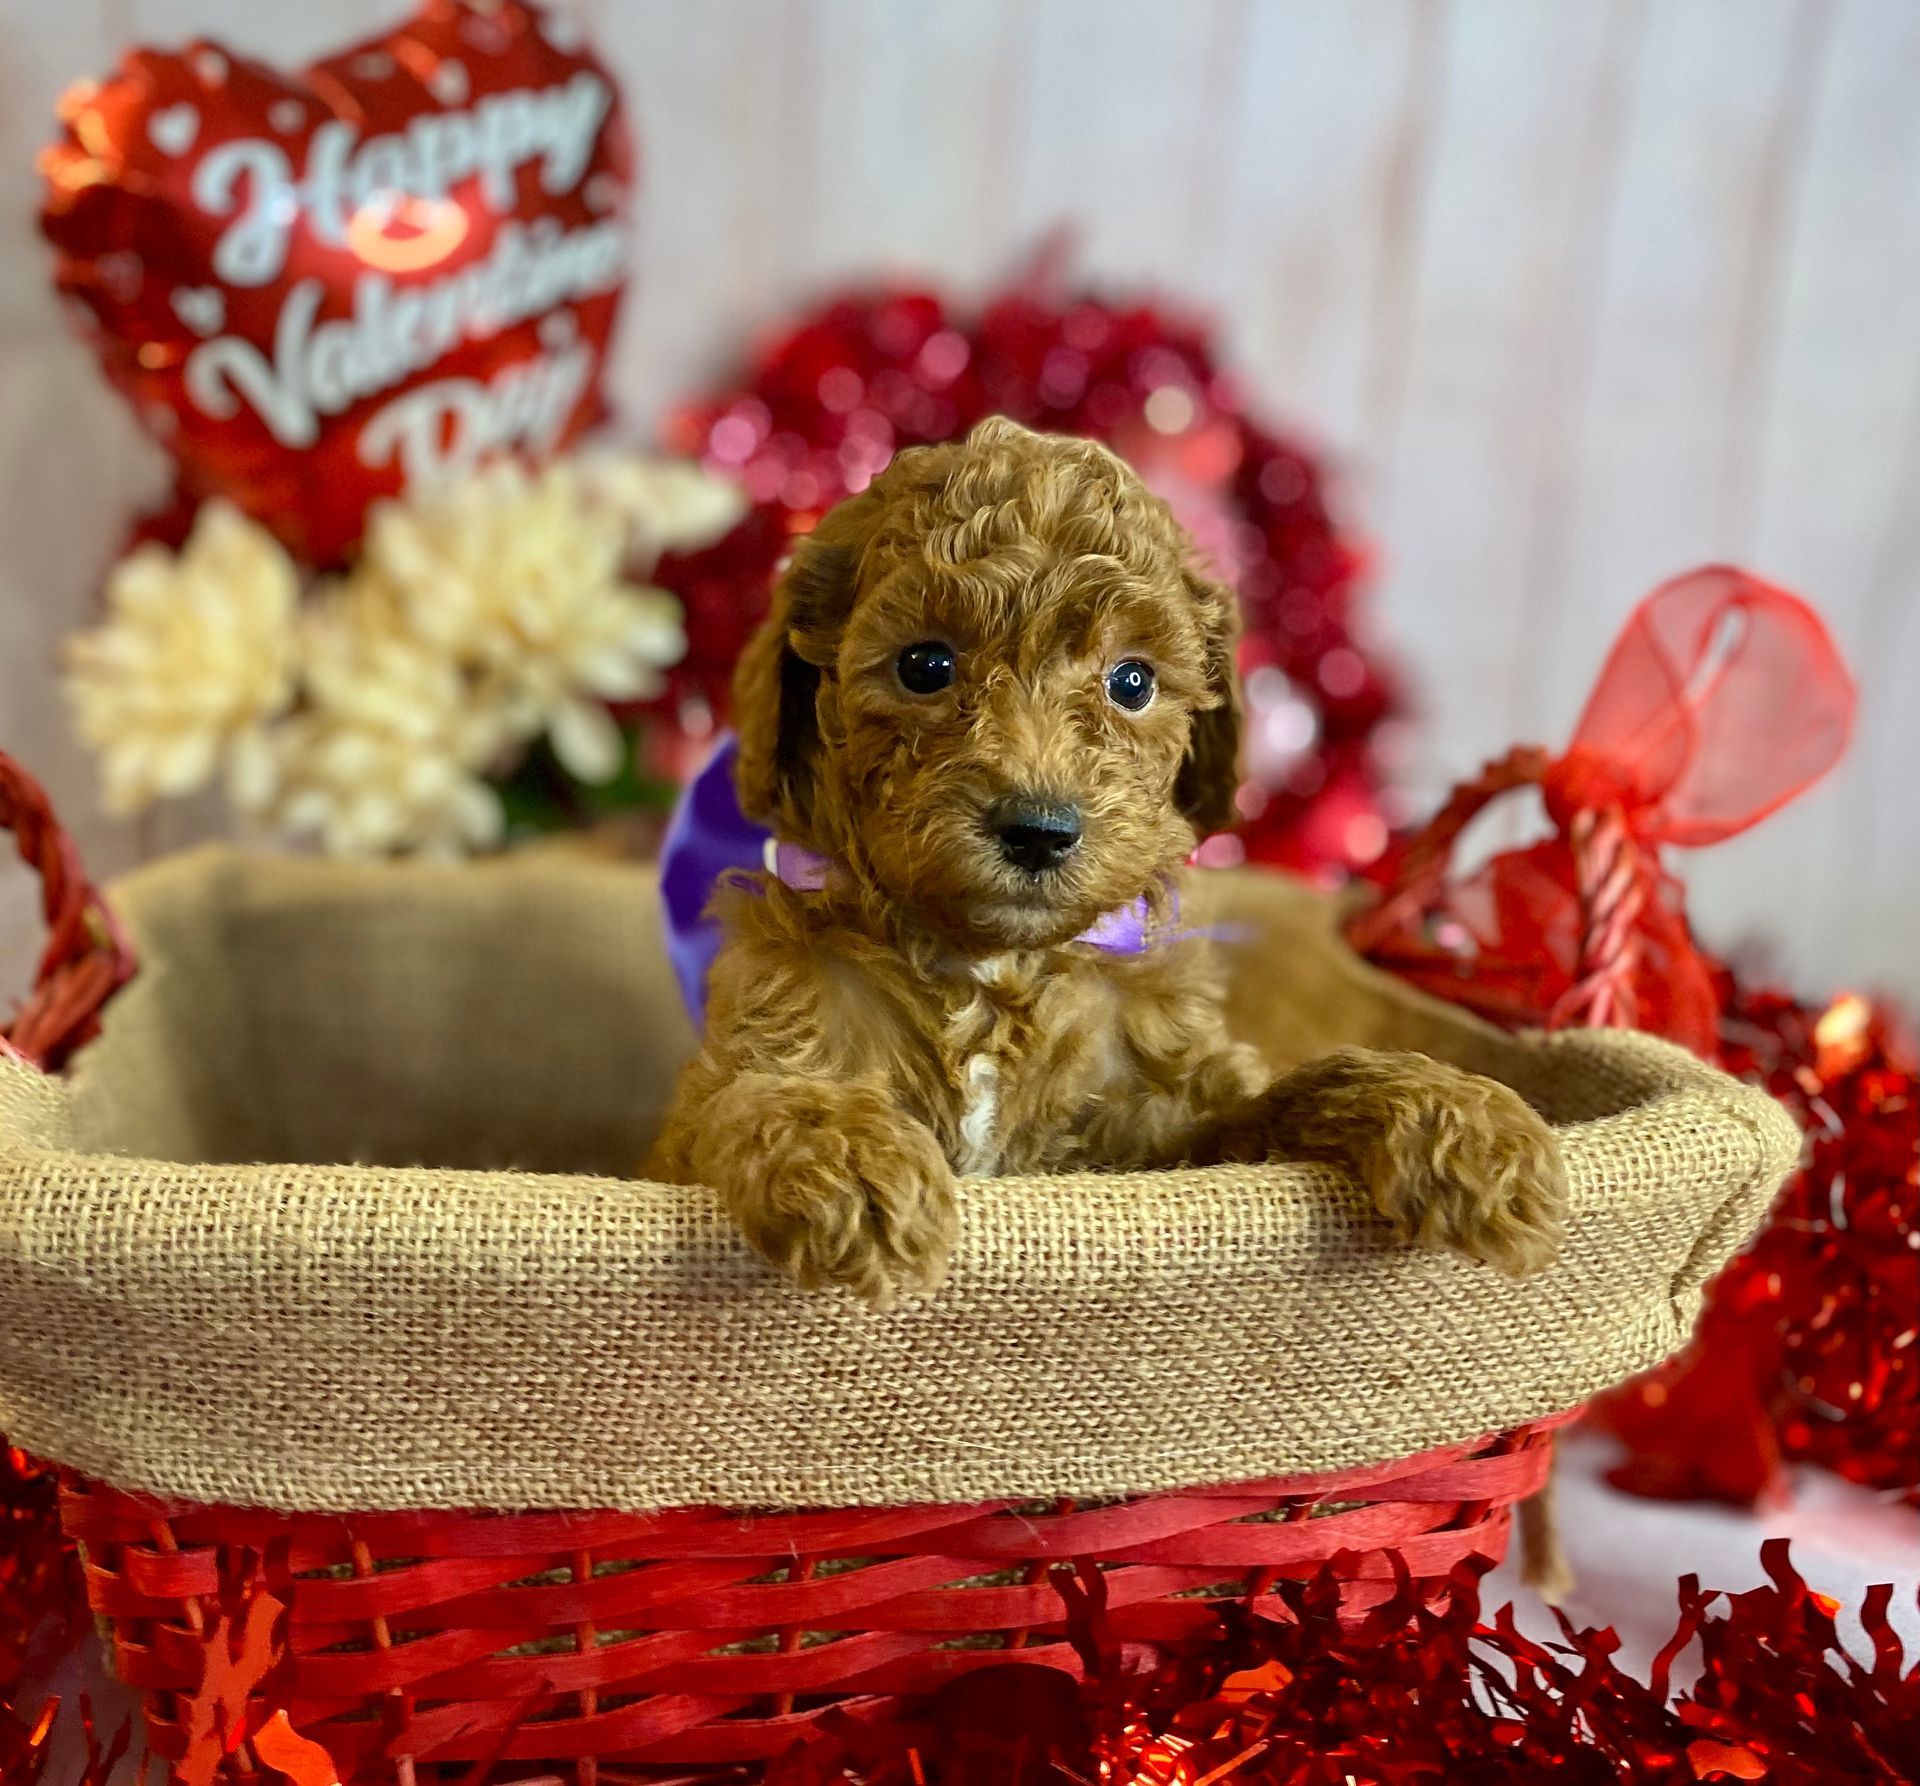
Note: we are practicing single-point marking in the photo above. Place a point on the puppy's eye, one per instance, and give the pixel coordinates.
(926, 668)
(1130, 684)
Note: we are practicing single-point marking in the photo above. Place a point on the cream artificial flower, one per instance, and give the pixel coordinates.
(520, 578)
(195, 657)
(387, 755)
(480, 616)
(671, 505)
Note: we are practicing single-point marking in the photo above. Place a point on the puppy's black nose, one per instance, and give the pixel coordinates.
(1035, 834)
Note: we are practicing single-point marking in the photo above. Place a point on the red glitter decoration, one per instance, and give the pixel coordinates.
(1810, 1344)
(239, 1653)
(826, 403)
(287, 1752)
(1294, 1694)
(1297, 1698)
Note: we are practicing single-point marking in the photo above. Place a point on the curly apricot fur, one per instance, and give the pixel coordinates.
(930, 1012)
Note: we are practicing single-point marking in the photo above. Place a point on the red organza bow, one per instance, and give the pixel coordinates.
(1722, 699)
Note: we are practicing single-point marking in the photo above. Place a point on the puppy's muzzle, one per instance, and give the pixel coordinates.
(1035, 835)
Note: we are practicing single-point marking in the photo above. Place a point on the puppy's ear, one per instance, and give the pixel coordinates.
(776, 685)
(1211, 771)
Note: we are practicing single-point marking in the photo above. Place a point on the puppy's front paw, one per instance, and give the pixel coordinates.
(1450, 1158)
(847, 1190)
(1468, 1164)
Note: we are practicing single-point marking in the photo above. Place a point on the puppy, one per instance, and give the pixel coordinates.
(996, 702)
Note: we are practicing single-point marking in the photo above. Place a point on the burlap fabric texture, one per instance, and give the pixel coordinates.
(330, 1219)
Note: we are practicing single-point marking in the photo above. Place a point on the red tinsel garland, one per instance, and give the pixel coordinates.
(42, 1608)
(1810, 1344)
(1293, 1698)
(1288, 1696)
(824, 405)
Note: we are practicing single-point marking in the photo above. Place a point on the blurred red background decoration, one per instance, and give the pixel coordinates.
(316, 289)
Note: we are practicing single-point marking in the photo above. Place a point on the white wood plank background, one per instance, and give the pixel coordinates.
(1575, 295)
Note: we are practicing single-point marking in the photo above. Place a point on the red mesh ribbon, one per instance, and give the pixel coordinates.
(1722, 699)
(87, 958)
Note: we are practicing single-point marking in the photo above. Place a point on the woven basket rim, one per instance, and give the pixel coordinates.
(159, 1327)
(1671, 1093)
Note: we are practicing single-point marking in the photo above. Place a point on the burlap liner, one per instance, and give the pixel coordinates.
(321, 1337)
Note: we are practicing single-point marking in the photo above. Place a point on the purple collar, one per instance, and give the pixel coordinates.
(710, 836)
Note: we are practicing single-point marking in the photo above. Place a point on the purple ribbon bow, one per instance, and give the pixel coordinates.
(709, 835)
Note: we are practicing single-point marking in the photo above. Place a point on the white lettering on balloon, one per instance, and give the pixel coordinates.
(446, 428)
(555, 127)
(320, 369)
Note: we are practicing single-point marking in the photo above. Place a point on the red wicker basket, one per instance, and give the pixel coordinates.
(710, 1636)
(697, 1637)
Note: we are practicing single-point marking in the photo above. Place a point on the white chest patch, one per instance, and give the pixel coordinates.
(990, 970)
(979, 1145)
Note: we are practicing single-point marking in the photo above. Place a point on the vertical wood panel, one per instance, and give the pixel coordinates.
(73, 470)
(1503, 226)
(1304, 184)
(1116, 98)
(41, 53)
(64, 445)
(1687, 234)
(289, 36)
(903, 110)
(702, 84)
(1837, 509)
(1548, 489)
(1401, 226)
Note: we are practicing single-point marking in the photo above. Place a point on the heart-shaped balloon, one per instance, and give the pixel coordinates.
(320, 289)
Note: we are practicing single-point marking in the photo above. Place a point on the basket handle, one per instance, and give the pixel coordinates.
(1613, 877)
(1423, 866)
(87, 958)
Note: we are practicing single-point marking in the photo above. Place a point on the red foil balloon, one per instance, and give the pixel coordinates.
(317, 289)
